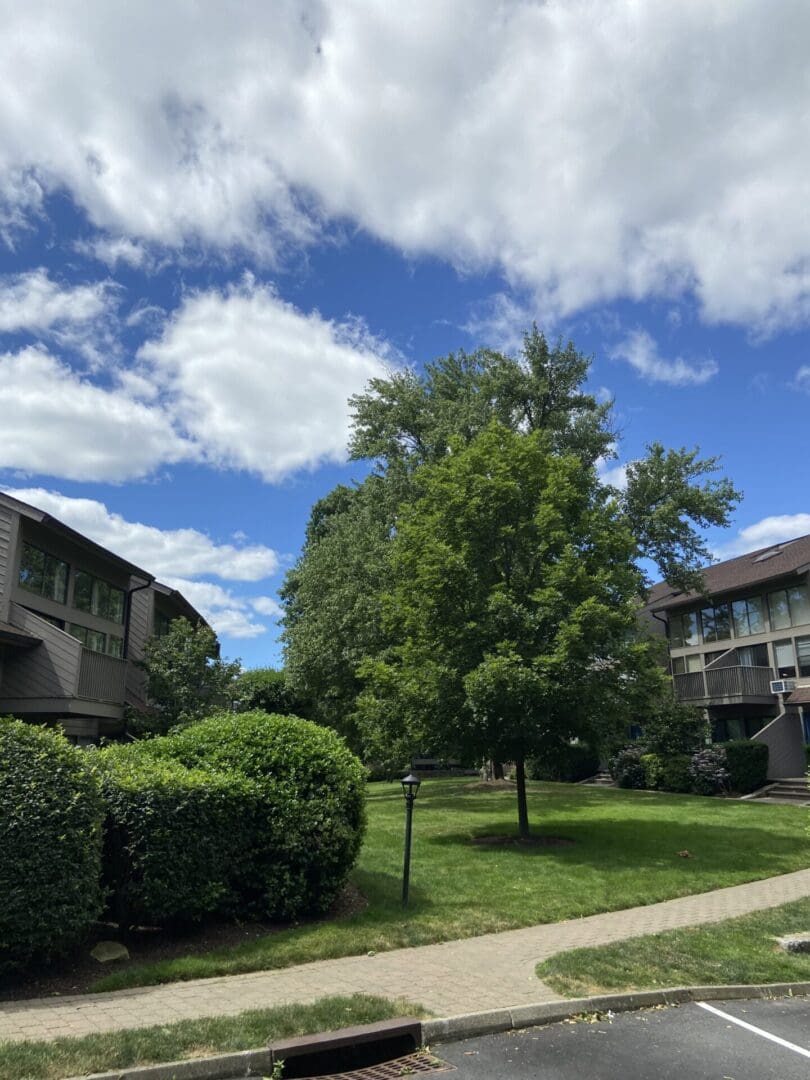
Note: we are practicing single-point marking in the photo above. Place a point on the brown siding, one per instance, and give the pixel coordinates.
(7, 531)
(140, 619)
(49, 670)
(785, 742)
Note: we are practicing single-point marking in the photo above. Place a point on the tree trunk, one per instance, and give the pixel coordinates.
(496, 768)
(523, 811)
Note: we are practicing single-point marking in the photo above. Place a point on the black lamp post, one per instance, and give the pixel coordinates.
(410, 786)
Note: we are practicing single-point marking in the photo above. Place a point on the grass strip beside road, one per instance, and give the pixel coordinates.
(53, 1059)
(625, 852)
(741, 950)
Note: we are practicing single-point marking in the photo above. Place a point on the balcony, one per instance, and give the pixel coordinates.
(101, 677)
(738, 683)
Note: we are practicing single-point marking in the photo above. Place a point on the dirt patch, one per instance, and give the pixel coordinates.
(531, 841)
(491, 785)
(77, 973)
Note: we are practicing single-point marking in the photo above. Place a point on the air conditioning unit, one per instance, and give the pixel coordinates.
(782, 686)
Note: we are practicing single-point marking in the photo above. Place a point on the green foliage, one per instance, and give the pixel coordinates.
(50, 844)
(569, 763)
(673, 728)
(747, 765)
(268, 690)
(175, 837)
(667, 772)
(709, 771)
(305, 812)
(186, 676)
(627, 768)
(513, 600)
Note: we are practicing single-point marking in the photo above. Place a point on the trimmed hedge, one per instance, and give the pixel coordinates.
(747, 764)
(173, 836)
(51, 815)
(274, 805)
(569, 764)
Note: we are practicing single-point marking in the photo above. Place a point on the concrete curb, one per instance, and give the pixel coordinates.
(256, 1063)
(552, 1012)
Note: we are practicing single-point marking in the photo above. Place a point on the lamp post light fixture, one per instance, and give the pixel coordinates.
(410, 786)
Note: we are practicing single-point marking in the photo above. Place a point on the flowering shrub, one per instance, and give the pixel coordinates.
(627, 768)
(709, 770)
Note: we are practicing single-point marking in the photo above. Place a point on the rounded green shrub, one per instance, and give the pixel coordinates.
(568, 764)
(626, 766)
(284, 797)
(51, 816)
(174, 836)
(668, 772)
(747, 763)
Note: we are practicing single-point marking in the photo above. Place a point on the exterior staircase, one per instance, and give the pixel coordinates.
(794, 789)
(602, 779)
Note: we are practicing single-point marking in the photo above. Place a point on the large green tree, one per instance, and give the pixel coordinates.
(334, 621)
(513, 601)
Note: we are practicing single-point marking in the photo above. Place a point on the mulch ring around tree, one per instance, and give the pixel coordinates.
(517, 841)
(76, 974)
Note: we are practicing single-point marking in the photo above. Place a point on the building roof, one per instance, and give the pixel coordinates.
(799, 696)
(754, 568)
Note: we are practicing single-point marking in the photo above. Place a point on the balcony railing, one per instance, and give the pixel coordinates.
(724, 682)
(101, 677)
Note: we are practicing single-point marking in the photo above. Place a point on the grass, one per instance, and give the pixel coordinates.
(740, 950)
(624, 853)
(50, 1060)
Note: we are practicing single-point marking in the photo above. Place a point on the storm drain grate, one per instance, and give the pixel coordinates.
(410, 1065)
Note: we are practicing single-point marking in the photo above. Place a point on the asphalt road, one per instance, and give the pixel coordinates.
(690, 1042)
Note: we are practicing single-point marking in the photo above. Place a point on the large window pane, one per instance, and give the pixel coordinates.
(722, 622)
(79, 632)
(83, 591)
(32, 568)
(707, 621)
(799, 605)
(748, 616)
(779, 609)
(756, 615)
(54, 582)
(739, 614)
(115, 605)
(96, 640)
(784, 659)
(753, 656)
(693, 663)
(803, 654)
(115, 646)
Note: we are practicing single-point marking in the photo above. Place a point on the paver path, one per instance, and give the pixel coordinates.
(488, 972)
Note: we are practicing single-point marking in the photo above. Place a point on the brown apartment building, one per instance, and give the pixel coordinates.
(73, 619)
(742, 651)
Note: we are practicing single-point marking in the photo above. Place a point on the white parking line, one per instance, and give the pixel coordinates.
(757, 1031)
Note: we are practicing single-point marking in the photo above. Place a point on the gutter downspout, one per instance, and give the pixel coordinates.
(138, 588)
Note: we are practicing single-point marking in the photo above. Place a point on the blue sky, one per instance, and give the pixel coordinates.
(217, 222)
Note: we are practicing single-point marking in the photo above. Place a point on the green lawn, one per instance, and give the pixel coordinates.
(625, 852)
(190, 1038)
(739, 950)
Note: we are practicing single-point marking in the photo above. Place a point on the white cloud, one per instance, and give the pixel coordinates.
(226, 613)
(587, 149)
(33, 302)
(266, 605)
(114, 249)
(258, 384)
(58, 423)
(640, 350)
(770, 530)
(615, 475)
(165, 553)
(801, 380)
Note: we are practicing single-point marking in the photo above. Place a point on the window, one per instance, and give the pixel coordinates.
(98, 597)
(684, 629)
(91, 639)
(682, 665)
(749, 617)
(753, 656)
(43, 574)
(162, 624)
(784, 659)
(115, 646)
(716, 623)
(789, 607)
(710, 657)
(803, 655)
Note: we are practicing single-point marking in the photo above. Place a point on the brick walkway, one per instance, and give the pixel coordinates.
(488, 972)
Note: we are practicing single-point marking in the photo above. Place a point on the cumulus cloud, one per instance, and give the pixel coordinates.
(33, 302)
(640, 350)
(775, 529)
(585, 149)
(57, 422)
(258, 384)
(227, 613)
(801, 380)
(162, 552)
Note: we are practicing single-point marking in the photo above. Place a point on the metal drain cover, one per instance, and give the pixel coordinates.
(412, 1064)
